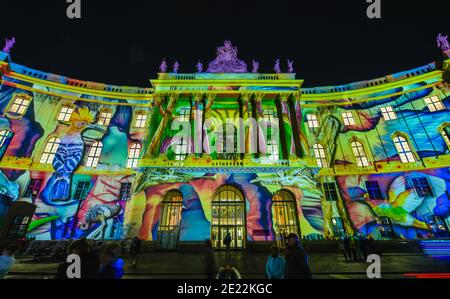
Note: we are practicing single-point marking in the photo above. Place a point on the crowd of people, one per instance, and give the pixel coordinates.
(358, 248)
(293, 265)
(291, 262)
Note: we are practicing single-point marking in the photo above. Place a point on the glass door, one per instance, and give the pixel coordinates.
(228, 217)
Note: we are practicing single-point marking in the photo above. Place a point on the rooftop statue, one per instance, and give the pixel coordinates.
(227, 61)
(442, 42)
(199, 67)
(9, 43)
(290, 66)
(277, 68)
(163, 66)
(255, 68)
(176, 66)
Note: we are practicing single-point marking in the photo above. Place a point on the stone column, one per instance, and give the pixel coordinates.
(248, 127)
(167, 115)
(301, 125)
(197, 128)
(286, 125)
(259, 117)
(209, 101)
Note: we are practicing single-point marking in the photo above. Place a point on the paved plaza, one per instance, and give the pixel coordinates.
(190, 265)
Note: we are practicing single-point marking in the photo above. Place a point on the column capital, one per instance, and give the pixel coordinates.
(284, 96)
(297, 96)
(211, 96)
(259, 96)
(246, 96)
(197, 97)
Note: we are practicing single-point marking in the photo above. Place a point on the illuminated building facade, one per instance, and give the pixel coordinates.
(227, 150)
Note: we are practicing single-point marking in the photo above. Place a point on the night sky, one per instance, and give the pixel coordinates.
(123, 42)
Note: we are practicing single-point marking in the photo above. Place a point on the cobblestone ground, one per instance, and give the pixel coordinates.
(185, 265)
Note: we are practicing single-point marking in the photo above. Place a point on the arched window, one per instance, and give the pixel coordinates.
(133, 155)
(403, 149)
(50, 150)
(228, 217)
(94, 154)
(319, 153)
(4, 135)
(360, 154)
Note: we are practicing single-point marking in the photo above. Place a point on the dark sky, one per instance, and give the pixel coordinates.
(122, 42)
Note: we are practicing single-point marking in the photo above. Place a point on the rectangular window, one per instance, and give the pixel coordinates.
(82, 190)
(65, 113)
(313, 122)
(330, 191)
(388, 113)
(185, 114)
(434, 103)
(33, 189)
(104, 118)
(141, 120)
(374, 190)
(19, 227)
(272, 150)
(348, 119)
(181, 148)
(422, 186)
(125, 192)
(20, 104)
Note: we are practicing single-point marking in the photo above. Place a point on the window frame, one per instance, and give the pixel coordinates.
(50, 152)
(94, 154)
(406, 154)
(18, 111)
(312, 120)
(4, 136)
(134, 154)
(388, 113)
(67, 115)
(348, 118)
(370, 189)
(359, 153)
(331, 195)
(81, 190)
(434, 103)
(320, 155)
(125, 191)
(141, 123)
(104, 117)
(419, 187)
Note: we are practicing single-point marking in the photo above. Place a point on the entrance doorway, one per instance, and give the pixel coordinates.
(170, 219)
(228, 216)
(285, 217)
